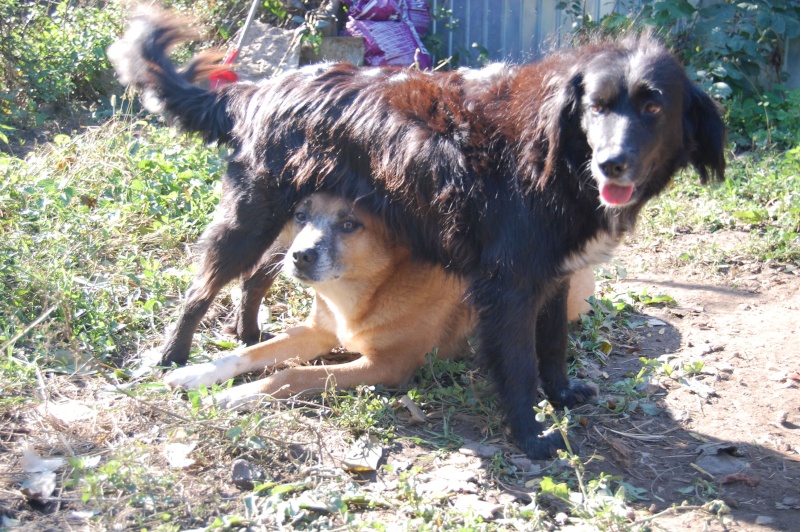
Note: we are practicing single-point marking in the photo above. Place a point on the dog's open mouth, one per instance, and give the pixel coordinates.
(614, 194)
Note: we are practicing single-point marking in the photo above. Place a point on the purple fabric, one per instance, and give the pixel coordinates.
(418, 14)
(375, 9)
(389, 42)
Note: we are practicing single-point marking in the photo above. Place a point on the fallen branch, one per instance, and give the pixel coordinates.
(705, 507)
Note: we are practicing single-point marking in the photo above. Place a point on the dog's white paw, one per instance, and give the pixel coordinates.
(241, 397)
(192, 377)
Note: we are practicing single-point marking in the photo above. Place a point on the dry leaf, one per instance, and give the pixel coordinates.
(741, 477)
(621, 451)
(178, 454)
(39, 485)
(417, 415)
(68, 412)
(33, 463)
(364, 455)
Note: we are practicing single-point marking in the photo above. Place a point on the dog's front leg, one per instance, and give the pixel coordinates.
(507, 345)
(367, 370)
(551, 351)
(301, 343)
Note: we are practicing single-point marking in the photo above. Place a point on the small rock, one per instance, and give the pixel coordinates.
(764, 520)
(441, 487)
(453, 474)
(484, 509)
(677, 414)
(791, 502)
(781, 417)
(698, 388)
(401, 465)
(651, 388)
(561, 519)
(777, 377)
(508, 497)
(521, 463)
(719, 459)
(39, 485)
(480, 450)
(724, 367)
(244, 474)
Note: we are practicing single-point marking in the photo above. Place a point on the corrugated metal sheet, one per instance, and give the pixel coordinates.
(509, 30)
(523, 30)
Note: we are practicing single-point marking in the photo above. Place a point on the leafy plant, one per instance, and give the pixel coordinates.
(598, 328)
(52, 54)
(86, 227)
(595, 499)
(763, 121)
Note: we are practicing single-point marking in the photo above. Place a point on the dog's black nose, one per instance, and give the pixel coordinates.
(614, 166)
(305, 258)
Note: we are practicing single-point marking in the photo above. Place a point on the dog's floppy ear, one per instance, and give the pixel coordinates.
(562, 123)
(704, 134)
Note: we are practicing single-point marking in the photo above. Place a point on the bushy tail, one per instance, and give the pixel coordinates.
(140, 59)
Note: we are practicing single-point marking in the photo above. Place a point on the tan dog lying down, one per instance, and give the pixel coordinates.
(371, 298)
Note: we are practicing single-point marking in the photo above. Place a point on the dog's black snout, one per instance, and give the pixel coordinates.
(305, 258)
(614, 166)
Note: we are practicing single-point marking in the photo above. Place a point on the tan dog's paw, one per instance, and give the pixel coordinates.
(192, 377)
(241, 397)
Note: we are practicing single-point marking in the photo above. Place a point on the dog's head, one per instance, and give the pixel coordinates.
(329, 239)
(642, 118)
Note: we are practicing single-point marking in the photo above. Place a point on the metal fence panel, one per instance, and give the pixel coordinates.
(505, 30)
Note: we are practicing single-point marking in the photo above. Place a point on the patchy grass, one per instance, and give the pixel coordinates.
(760, 200)
(96, 253)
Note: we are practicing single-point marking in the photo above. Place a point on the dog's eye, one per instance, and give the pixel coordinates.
(597, 108)
(300, 217)
(651, 108)
(348, 226)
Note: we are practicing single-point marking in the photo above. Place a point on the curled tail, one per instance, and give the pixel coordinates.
(140, 59)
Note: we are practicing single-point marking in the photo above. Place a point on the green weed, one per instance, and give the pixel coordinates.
(94, 227)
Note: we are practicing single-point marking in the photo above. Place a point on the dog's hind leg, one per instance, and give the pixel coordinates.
(551, 351)
(244, 323)
(232, 244)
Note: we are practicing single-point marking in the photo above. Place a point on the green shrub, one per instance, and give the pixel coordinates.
(52, 55)
(770, 120)
(90, 225)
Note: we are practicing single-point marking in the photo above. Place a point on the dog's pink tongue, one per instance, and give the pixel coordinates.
(616, 194)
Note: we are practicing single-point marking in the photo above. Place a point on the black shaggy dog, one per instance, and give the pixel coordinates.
(511, 176)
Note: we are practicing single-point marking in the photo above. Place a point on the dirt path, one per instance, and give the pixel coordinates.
(727, 429)
(731, 432)
(722, 425)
